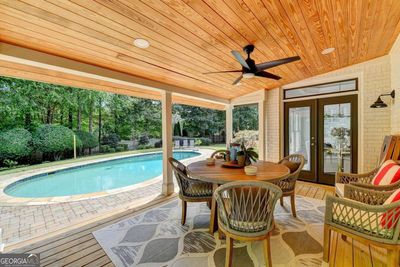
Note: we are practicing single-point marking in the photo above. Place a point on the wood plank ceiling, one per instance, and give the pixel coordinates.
(190, 37)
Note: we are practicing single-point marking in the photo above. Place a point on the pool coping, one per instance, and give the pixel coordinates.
(8, 179)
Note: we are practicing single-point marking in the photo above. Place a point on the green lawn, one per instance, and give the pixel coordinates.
(98, 156)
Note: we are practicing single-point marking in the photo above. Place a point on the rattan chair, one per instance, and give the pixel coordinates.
(245, 213)
(362, 216)
(361, 180)
(190, 190)
(218, 153)
(288, 184)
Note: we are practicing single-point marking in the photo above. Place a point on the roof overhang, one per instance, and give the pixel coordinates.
(29, 64)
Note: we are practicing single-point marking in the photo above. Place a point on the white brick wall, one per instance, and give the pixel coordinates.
(395, 81)
(374, 79)
(273, 120)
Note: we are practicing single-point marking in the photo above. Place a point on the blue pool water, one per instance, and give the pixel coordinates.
(93, 177)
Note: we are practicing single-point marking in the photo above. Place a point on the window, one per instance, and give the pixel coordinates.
(321, 89)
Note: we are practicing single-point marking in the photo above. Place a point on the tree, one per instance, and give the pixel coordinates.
(245, 117)
(89, 141)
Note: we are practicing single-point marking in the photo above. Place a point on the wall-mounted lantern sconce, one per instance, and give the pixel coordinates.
(379, 103)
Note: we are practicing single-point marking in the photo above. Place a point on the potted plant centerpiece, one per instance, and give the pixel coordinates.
(249, 154)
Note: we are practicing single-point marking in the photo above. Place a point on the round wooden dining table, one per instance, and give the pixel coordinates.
(217, 175)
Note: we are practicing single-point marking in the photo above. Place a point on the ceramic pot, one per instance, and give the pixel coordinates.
(241, 160)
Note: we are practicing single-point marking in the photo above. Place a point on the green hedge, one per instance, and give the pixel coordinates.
(15, 144)
(54, 139)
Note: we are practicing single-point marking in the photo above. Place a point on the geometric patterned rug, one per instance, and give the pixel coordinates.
(156, 238)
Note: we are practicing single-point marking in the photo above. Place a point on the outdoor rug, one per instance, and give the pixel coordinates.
(156, 238)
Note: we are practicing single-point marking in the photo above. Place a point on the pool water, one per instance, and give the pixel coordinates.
(94, 177)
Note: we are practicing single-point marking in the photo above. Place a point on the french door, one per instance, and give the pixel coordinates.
(324, 131)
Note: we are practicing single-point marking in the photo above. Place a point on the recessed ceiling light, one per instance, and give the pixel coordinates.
(328, 50)
(141, 43)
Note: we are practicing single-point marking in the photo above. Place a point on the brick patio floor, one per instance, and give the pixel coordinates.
(23, 222)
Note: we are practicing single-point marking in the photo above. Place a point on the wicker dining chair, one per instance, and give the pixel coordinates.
(245, 213)
(218, 153)
(295, 163)
(361, 180)
(362, 215)
(190, 190)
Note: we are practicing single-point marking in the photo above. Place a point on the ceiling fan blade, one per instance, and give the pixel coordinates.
(237, 80)
(239, 58)
(274, 63)
(268, 75)
(224, 71)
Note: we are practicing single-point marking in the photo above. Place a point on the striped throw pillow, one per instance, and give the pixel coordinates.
(388, 173)
(390, 218)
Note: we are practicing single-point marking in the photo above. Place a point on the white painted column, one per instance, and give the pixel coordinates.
(166, 111)
(229, 124)
(262, 129)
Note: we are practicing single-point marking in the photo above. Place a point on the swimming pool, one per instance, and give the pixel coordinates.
(95, 177)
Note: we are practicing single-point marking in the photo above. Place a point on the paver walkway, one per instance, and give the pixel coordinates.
(19, 223)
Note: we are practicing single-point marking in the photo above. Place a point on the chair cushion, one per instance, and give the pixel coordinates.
(388, 173)
(391, 216)
(249, 227)
(339, 189)
(292, 166)
(199, 190)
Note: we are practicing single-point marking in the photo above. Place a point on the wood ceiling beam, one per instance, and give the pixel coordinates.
(19, 55)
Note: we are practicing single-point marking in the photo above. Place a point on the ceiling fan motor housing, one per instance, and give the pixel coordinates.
(248, 49)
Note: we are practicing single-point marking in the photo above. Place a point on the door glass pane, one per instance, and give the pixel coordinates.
(299, 133)
(337, 141)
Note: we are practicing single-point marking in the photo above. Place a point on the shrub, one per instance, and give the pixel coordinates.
(140, 147)
(158, 144)
(55, 140)
(88, 139)
(119, 148)
(111, 139)
(104, 148)
(125, 146)
(143, 140)
(249, 137)
(15, 144)
(204, 141)
(111, 150)
(10, 163)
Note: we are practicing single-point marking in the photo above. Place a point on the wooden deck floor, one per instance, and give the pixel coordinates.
(79, 248)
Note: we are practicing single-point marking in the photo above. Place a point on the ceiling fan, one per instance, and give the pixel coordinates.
(251, 69)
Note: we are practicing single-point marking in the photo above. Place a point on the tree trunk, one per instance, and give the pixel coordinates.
(100, 122)
(90, 121)
(62, 116)
(28, 120)
(79, 115)
(49, 115)
(70, 118)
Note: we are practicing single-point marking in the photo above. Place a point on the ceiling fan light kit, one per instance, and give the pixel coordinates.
(250, 69)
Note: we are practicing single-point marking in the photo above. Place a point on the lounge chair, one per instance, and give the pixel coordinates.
(245, 213)
(364, 216)
(177, 144)
(191, 143)
(190, 190)
(362, 180)
(185, 143)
